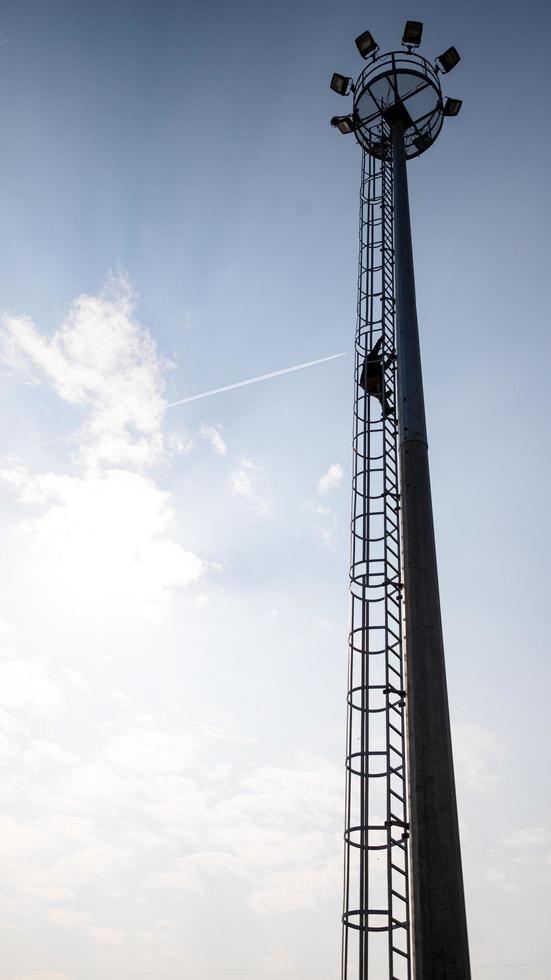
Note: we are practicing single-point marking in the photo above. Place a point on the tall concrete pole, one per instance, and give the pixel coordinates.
(440, 940)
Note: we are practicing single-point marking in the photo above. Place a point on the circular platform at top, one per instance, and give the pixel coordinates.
(398, 81)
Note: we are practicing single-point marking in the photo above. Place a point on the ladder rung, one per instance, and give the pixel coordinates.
(400, 951)
(400, 870)
(401, 897)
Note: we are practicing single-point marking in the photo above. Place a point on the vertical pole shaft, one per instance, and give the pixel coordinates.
(440, 941)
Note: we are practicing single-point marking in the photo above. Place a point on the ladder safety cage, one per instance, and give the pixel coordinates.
(376, 907)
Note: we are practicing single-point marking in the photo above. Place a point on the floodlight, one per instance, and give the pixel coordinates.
(422, 142)
(380, 149)
(345, 124)
(452, 107)
(366, 44)
(449, 59)
(412, 33)
(341, 84)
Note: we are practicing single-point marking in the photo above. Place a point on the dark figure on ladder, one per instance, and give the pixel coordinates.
(372, 379)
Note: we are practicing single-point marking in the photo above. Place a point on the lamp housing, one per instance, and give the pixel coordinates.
(449, 59)
(341, 84)
(452, 107)
(366, 44)
(345, 124)
(413, 32)
(422, 142)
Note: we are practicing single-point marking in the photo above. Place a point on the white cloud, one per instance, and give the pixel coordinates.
(264, 508)
(527, 838)
(327, 536)
(104, 537)
(331, 479)
(44, 753)
(179, 443)
(27, 685)
(68, 917)
(314, 507)
(213, 435)
(281, 833)
(102, 359)
(110, 806)
(299, 888)
(477, 753)
(241, 483)
(131, 814)
(189, 873)
(249, 480)
(120, 697)
(151, 752)
(105, 533)
(45, 975)
(277, 834)
(327, 529)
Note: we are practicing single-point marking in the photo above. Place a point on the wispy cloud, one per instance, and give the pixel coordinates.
(326, 528)
(28, 687)
(527, 838)
(213, 435)
(314, 507)
(330, 479)
(240, 482)
(478, 753)
(249, 480)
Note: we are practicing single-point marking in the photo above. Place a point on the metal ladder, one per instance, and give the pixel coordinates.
(376, 913)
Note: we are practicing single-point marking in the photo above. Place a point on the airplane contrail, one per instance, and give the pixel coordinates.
(252, 381)
(41, 445)
(185, 401)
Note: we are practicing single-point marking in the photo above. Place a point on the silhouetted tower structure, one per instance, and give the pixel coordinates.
(404, 908)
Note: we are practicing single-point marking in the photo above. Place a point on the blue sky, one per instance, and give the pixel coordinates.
(178, 215)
